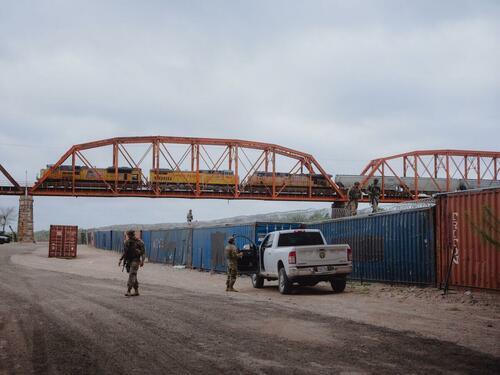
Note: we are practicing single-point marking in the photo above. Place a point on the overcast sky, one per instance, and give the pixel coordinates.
(346, 81)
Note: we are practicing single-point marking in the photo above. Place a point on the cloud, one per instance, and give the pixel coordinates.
(344, 81)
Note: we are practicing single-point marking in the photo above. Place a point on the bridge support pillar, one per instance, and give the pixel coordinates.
(25, 231)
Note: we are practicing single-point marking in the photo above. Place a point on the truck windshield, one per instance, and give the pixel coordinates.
(300, 239)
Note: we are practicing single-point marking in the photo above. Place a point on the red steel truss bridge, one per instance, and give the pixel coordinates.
(209, 168)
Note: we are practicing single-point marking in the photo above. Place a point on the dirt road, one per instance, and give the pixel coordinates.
(79, 322)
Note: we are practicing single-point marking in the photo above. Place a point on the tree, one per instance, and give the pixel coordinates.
(6, 216)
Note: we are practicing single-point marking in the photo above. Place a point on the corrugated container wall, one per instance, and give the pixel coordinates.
(146, 238)
(63, 241)
(209, 243)
(390, 247)
(103, 240)
(469, 221)
(173, 246)
(118, 238)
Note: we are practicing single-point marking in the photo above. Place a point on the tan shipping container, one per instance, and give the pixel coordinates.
(469, 222)
(63, 241)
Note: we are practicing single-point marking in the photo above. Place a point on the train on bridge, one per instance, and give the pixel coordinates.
(213, 168)
(175, 180)
(224, 181)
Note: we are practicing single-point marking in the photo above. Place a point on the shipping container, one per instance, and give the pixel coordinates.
(172, 246)
(468, 221)
(103, 240)
(118, 239)
(63, 241)
(389, 247)
(209, 242)
(146, 238)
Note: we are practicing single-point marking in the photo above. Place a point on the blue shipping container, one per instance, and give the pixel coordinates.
(103, 240)
(146, 238)
(209, 243)
(389, 247)
(171, 246)
(118, 238)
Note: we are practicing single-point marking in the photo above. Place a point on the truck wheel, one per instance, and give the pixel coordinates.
(257, 281)
(338, 285)
(284, 285)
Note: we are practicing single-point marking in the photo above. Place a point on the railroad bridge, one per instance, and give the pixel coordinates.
(209, 168)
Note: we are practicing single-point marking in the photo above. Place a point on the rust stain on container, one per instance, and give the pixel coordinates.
(63, 241)
(469, 222)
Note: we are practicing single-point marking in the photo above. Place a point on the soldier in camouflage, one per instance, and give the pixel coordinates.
(374, 193)
(133, 258)
(232, 255)
(354, 196)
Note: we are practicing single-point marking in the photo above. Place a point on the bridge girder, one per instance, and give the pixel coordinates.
(233, 153)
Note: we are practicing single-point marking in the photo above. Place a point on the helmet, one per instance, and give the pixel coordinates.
(131, 233)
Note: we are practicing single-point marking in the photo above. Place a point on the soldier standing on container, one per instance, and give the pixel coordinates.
(354, 196)
(232, 256)
(189, 216)
(374, 193)
(133, 258)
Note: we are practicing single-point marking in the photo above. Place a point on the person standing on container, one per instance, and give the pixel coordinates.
(354, 196)
(189, 216)
(133, 258)
(374, 193)
(232, 255)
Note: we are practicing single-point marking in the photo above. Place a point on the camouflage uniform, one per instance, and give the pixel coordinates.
(374, 191)
(354, 195)
(135, 260)
(232, 255)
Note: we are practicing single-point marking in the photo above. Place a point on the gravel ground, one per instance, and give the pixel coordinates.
(70, 317)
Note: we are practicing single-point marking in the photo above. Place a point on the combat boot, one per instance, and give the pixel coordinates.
(128, 293)
(232, 290)
(136, 292)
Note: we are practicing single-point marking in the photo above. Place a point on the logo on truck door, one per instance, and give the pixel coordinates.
(322, 254)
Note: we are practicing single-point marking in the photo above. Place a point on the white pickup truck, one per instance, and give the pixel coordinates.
(299, 256)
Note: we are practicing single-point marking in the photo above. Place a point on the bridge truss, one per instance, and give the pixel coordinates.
(418, 174)
(181, 167)
(209, 168)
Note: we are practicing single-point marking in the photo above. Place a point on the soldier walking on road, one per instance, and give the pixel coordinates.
(374, 193)
(354, 196)
(133, 258)
(232, 256)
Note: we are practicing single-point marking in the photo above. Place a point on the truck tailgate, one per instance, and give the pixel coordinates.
(321, 255)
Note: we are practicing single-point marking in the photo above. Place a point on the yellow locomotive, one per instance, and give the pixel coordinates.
(84, 175)
(286, 182)
(171, 179)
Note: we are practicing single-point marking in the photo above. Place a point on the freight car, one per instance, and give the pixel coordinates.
(426, 186)
(92, 178)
